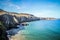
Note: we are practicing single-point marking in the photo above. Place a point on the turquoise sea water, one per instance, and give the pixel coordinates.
(42, 30)
(38, 30)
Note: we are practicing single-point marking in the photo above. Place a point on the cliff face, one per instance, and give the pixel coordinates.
(11, 19)
(8, 21)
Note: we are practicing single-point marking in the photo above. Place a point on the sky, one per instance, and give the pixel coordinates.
(39, 8)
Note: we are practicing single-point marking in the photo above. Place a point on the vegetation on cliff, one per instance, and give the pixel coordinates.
(3, 34)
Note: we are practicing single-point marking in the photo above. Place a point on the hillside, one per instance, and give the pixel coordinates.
(12, 19)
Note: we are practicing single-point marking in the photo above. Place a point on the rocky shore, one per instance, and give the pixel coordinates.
(10, 20)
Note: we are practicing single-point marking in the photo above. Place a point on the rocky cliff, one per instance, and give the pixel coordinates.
(9, 20)
(12, 19)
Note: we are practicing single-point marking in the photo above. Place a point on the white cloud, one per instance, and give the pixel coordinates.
(9, 4)
(16, 6)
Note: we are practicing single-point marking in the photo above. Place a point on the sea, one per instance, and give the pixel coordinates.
(38, 30)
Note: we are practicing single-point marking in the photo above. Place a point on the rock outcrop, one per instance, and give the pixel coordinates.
(12, 19)
(9, 20)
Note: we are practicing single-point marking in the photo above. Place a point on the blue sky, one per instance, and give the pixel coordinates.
(40, 8)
